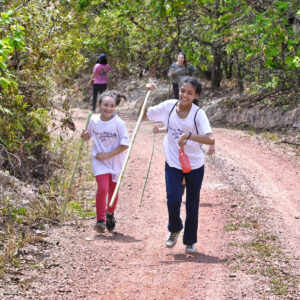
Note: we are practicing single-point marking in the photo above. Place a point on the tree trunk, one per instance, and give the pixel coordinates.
(216, 70)
(227, 65)
(238, 72)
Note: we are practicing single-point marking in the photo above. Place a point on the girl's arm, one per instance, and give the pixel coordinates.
(157, 129)
(95, 72)
(108, 155)
(149, 86)
(207, 139)
(171, 71)
(92, 78)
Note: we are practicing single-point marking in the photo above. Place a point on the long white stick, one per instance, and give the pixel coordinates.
(73, 173)
(112, 201)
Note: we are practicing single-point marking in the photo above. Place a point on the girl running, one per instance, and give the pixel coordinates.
(111, 139)
(188, 128)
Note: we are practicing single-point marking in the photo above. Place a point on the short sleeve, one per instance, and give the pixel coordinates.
(202, 123)
(96, 68)
(160, 112)
(124, 138)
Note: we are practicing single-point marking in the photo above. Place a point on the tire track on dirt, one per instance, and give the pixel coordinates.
(275, 179)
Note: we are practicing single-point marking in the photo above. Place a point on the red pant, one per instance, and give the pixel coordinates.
(105, 186)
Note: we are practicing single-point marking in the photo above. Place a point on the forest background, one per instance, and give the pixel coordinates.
(45, 46)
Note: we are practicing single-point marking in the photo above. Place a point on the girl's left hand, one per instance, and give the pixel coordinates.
(155, 129)
(102, 156)
(211, 150)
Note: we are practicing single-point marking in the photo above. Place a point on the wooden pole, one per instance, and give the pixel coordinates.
(130, 148)
(74, 171)
(149, 166)
(170, 84)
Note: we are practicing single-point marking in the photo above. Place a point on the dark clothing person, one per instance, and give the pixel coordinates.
(179, 70)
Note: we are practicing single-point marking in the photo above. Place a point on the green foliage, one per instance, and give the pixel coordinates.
(78, 210)
(24, 86)
(12, 39)
(47, 43)
(255, 41)
(15, 214)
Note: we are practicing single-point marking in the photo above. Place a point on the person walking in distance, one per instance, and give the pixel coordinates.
(187, 129)
(178, 70)
(111, 139)
(99, 78)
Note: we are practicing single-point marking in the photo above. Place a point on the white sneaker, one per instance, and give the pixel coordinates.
(190, 249)
(172, 239)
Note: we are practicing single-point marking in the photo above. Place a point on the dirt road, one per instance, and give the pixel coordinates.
(248, 238)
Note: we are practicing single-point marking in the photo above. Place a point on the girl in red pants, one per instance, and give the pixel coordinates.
(111, 139)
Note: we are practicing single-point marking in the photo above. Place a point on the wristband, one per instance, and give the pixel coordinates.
(189, 135)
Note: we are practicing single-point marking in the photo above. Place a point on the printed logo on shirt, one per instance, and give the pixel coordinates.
(176, 133)
(104, 135)
(102, 72)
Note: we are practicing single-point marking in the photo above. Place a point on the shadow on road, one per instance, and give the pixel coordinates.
(197, 258)
(209, 204)
(118, 237)
(205, 204)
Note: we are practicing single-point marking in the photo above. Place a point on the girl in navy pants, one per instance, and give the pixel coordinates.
(187, 128)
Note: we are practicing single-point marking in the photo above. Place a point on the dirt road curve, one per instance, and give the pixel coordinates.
(248, 238)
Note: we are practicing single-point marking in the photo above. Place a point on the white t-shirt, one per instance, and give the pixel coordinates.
(176, 128)
(107, 136)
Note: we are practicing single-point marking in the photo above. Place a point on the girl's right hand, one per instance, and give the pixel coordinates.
(150, 85)
(84, 135)
(183, 140)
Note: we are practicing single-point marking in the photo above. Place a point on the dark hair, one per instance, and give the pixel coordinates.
(102, 59)
(185, 60)
(116, 97)
(193, 81)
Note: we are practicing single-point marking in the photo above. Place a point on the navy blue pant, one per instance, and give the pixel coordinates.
(174, 197)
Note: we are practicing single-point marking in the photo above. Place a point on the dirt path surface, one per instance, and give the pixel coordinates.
(248, 237)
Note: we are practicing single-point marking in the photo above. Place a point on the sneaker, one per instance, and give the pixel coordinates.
(99, 226)
(110, 222)
(190, 249)
(172, 239)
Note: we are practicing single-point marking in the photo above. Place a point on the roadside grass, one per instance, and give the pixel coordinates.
(21, 226)
(241, 222)
(261, 255)
(273, 136)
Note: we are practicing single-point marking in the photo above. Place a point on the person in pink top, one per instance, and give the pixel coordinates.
(99, 78)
